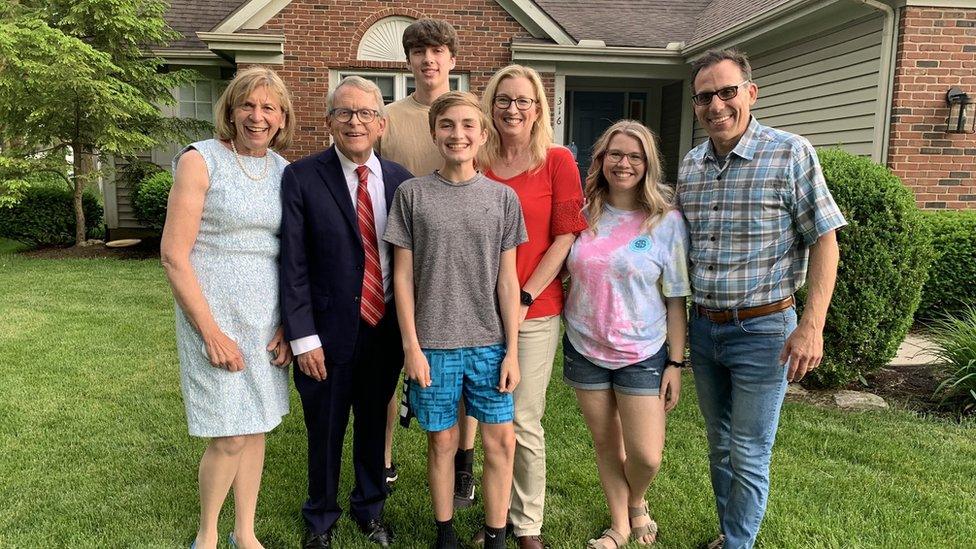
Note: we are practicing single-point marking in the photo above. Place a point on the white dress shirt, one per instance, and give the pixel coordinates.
(377, 195)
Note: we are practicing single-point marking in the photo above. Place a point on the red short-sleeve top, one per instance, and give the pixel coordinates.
(552, 204)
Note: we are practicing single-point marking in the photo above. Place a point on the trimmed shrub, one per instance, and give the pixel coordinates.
(951, 287)
(133, 172)
(45, 216)
(885, 252)
(149, 203)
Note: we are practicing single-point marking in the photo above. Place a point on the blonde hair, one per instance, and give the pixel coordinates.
(239, 89)
(456, 99)
(541, 135)
(653, 197)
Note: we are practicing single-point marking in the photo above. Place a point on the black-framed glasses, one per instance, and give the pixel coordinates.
(345, 115)
(521, 103)
(728, 92)
(616, 157)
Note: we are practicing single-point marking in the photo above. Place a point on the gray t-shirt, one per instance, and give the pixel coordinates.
(457, 232)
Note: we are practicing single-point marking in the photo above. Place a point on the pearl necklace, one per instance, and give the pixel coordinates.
(240, 164)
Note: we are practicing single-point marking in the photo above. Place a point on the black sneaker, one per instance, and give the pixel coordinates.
(390, 473)
(463, 489)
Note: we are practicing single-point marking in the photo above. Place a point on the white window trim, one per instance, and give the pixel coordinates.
(399, 79)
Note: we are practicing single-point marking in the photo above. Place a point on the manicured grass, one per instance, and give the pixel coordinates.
(8, 246)
(95, 451)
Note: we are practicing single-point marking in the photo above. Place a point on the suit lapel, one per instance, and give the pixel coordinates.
(331, 173)
(389, 185)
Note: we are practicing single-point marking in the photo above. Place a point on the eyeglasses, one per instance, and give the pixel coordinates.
(345, 115)
(634, 158)
(705, 98)
(521, 103)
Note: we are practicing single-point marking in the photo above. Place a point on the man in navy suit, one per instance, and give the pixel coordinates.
(338, 310)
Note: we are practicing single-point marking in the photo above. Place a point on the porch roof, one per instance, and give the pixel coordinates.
(651, 23)
(191, 16)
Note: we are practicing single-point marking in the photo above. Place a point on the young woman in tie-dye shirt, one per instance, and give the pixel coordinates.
(625, 321)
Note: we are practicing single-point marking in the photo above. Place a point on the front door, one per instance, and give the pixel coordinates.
(592, 112)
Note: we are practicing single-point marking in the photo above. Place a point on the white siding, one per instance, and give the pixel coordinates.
(822, 86)
(195, 100)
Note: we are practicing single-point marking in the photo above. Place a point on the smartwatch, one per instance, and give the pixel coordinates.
(526, 298)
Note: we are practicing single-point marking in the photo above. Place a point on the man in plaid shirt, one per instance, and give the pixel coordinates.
(760, 218)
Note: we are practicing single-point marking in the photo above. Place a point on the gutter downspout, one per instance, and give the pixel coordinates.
(882, 120)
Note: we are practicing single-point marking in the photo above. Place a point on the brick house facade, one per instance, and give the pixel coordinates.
(936, 50)
(323, 36)
(869, 76)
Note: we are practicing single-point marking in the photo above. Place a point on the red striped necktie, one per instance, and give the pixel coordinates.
(372, 306)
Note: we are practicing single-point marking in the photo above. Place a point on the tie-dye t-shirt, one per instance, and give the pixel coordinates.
(615, 314)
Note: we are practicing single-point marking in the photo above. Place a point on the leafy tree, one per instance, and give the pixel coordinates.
(80, 75)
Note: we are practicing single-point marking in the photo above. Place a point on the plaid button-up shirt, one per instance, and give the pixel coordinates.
(753, 216)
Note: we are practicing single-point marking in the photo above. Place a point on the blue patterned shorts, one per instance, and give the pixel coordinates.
(471, 372)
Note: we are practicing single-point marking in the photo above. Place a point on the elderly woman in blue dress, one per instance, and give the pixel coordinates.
(220, 250)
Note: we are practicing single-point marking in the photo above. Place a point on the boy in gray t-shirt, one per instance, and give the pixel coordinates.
(457, 297)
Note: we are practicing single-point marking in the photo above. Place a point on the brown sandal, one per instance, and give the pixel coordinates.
(616, 537)
(638, 532)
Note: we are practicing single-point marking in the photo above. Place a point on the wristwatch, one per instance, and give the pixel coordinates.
(674, 363)
(526, 297)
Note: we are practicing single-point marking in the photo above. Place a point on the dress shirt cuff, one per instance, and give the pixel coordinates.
(305, 344)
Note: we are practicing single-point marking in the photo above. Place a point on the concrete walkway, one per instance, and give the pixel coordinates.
(916, 350)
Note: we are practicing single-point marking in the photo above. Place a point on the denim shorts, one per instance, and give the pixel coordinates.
(640, 379)
(471, 373)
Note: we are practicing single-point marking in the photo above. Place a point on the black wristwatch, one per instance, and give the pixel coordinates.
(526, 297)
(675, 363)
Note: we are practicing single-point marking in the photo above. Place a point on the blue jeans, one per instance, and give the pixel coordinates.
(740, 385)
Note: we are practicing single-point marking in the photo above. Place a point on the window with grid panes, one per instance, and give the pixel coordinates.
(397, 85)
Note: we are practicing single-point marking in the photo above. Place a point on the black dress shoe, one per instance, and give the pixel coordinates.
(317, 541)
(377, 532)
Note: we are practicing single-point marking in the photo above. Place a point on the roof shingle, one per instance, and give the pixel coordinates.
(191, 16)
(724, 14)
(640, 23)
(651, 23)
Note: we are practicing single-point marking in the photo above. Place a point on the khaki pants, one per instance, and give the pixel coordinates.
(538, 339)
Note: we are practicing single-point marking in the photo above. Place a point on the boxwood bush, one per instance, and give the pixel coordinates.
(951, 287)
(885, 252)
(149, 203)
(45, 216)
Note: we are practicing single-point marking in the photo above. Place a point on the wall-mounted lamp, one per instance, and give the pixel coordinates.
(962, 112)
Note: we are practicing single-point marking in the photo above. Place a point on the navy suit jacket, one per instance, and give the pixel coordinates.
(322, 257)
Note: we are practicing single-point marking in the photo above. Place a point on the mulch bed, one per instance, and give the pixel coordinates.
(908, 386)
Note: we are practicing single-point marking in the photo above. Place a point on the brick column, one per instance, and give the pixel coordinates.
(936, 50)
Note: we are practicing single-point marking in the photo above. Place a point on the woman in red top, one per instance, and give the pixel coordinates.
(523, 156)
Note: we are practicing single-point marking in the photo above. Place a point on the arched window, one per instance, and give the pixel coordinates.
(384, 40)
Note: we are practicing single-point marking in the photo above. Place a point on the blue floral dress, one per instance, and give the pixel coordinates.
(235, 259)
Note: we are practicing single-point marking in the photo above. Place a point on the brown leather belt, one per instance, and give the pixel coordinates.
(721, 316)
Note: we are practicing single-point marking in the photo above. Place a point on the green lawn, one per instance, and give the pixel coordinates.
(94, 450)
(8, 246)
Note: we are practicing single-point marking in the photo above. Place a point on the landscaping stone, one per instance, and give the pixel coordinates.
(795, 390)
(858, 400)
